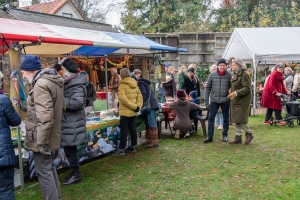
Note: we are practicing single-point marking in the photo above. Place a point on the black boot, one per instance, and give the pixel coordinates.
(68, 177)
(207, 140)
(75, 178)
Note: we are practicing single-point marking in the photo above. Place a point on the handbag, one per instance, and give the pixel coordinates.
(146, 108)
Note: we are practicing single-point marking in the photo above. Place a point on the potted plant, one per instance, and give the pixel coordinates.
(203, 73)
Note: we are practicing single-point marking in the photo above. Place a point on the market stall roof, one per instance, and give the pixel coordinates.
(269, 45)
(65, 40)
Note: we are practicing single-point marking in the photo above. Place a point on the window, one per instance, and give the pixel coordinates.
(67, 15)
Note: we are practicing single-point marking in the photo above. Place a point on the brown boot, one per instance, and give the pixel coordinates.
(154, 138)
(237, 140)
(249, 138)
(147, 136)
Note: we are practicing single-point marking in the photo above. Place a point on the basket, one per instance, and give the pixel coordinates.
(293, 108)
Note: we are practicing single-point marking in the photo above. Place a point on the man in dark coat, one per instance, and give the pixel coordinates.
(147, 93)
(216, 92)
(8, 117)
(73, 125)
(90, 91)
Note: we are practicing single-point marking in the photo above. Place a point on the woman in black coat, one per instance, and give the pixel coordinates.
(190, 82)
(73, 124)
(170, 85)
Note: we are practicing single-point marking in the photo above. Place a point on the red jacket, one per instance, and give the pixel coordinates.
(273, 85)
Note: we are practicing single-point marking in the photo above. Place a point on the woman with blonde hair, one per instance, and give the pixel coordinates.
(170, 85)
(181, 75)
(130, 103)
(194, 66)
(296, 84)
(288, 78)
(271, 96)
(240, 99)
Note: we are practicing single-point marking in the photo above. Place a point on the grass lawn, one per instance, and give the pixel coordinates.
(267, 168)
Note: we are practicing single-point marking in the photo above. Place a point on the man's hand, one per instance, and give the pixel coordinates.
(232, 95)
(44, 150)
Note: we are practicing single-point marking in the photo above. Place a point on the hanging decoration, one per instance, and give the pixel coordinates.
(98, 63)
(125, 62)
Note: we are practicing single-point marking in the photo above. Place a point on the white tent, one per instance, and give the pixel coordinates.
(266, 45)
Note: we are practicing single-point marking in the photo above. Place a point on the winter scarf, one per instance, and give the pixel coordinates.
(220, 73)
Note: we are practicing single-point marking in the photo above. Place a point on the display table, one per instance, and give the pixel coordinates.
(102, 139)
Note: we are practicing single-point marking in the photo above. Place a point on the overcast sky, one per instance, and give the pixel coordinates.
(113, 17)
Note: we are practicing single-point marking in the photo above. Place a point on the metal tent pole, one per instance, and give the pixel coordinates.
(106, 82)
(20, 158)
(254, 88)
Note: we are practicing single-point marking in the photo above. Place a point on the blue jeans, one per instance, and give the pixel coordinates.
(151, 118)
(219, 118)
(213, 110)
(162, 98)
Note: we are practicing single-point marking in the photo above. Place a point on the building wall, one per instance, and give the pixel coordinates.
(204, 49)
(69, 8)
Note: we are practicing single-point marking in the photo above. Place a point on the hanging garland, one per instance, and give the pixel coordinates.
(125, 62)
(116, 62)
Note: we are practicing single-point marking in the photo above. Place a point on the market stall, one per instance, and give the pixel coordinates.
(264, 46)
(55, 41)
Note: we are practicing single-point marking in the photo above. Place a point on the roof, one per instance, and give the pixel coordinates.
(268, 45)
(50, 7)
(30, 16)
(59, 40)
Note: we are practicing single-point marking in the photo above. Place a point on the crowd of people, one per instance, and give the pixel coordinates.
(59, 95)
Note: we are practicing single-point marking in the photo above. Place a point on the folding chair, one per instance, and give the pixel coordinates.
(202, 118)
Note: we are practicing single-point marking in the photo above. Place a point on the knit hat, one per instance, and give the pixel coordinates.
(193, 94)
(70, 65)
(191, 70)
(180, 93)
(222, 60)
(31, 63)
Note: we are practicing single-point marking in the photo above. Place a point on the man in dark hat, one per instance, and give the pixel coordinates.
(45, 105)
(216, 93)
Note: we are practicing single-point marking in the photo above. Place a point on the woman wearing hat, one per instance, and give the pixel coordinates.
(73, 124)
(182, 108)
(190, 81)
(271, 96)
(240, 99)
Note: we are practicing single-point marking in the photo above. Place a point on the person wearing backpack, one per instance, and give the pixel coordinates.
(148, 94)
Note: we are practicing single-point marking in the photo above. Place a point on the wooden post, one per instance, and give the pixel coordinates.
(14, 59)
